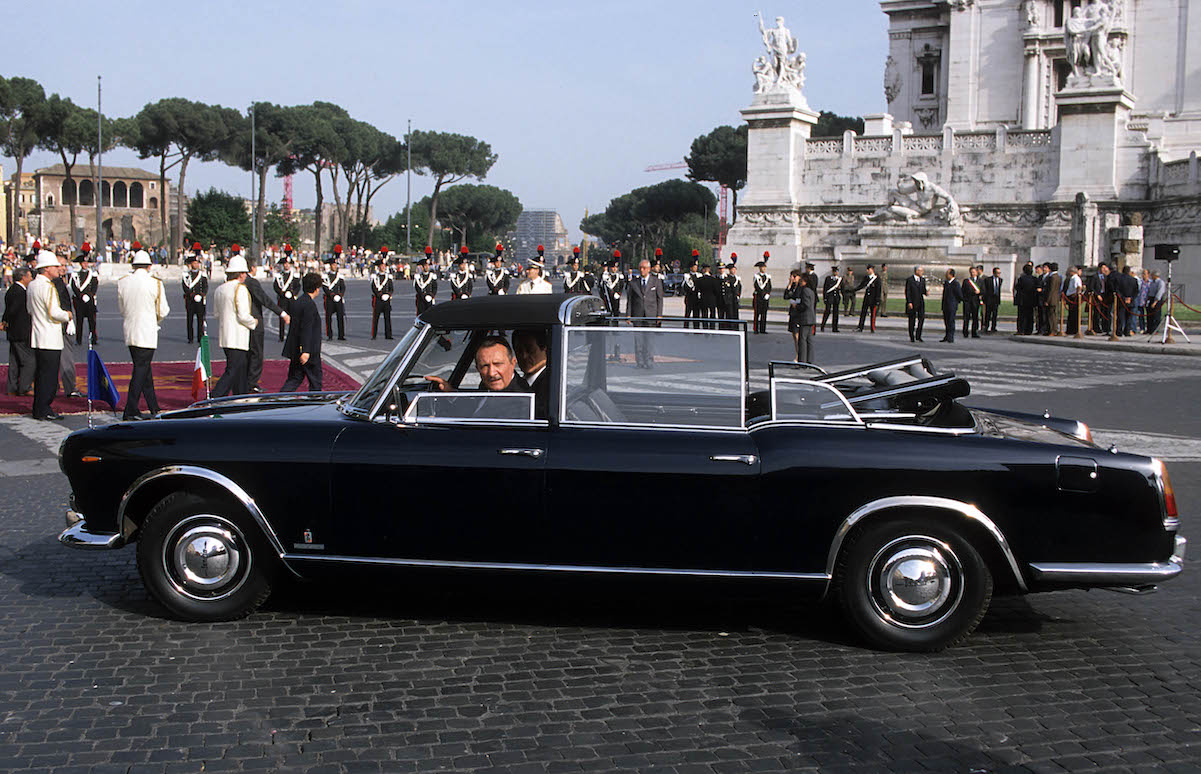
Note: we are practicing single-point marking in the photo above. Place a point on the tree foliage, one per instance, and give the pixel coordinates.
(481, 214)
(21, 103)
(833, 125)
(278, 230)
(720, 157)
(449, 158)
(218, 217)
(646, 217)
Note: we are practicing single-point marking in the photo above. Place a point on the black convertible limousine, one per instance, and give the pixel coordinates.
(875, 486)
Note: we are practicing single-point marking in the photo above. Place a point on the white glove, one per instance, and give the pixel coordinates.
(501, 293)
(429, 298)
(288, 294)
(196, 298)
(385, 297)
(337, 299)
(70, 327)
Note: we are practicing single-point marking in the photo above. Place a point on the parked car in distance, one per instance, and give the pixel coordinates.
(877, 486)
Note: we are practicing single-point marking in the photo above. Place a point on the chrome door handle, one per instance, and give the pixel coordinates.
(535, 453)
(745, 459)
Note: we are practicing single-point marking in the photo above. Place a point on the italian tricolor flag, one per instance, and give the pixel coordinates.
(200, 376)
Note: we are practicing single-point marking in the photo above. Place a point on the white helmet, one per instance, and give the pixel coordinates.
(237, 265)
(141, 258)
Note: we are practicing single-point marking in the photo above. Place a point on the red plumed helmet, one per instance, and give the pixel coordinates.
(499, 248)
(695, 253)
(463, 250)
(429, 250)
(196, 246)
(135, 246)
(85, 248)
(383, 248)
(616, 253)
(766, 255)
(287, 248)
(37, 245)
(575, 251)
(658, 251)
(734, 257)
(541, 250)
(234, 248)
(337, 248)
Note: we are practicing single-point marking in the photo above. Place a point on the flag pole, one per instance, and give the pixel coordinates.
(89, 380)
(101, 240)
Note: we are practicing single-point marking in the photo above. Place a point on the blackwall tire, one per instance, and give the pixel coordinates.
(203, 561)
(912, 585)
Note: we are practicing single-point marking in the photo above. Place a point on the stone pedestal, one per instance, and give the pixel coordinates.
(904, 245)
(1092, 120)
(780, 123)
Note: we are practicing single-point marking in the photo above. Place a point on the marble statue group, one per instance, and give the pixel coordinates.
(782, 65)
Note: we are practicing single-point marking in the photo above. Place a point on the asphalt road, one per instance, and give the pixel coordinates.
(559, 676)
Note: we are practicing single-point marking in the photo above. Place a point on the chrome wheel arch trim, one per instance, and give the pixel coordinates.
(226, 483)
(965, 510)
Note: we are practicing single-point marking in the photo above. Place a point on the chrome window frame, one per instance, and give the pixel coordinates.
(373, 414)
(742, 378)
(411, 419)
(854, 421)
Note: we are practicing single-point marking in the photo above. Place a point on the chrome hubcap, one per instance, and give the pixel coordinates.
(205, 558)
(915, 581)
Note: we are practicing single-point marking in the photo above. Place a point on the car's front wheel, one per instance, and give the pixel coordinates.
(912, 585)
(201, 561)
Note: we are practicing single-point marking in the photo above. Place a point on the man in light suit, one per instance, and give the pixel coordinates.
(143, 304)
(46, 334)
(235, 321)
(646, 300)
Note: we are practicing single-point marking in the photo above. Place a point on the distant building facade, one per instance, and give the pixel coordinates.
(130, 198)
(539, 227)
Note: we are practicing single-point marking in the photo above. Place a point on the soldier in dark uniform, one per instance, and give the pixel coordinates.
(576, 282)
(425, 283)
(761, 296)
(334, 290)
(195, 291)
(612, 285)
(84, 284)
(692, 307)
(870, 285)
(461, 282)
(497, 277)
(734, 290)
(708, 290)
(832, 296)
(811, 281)
(381, 298)
(287, 287)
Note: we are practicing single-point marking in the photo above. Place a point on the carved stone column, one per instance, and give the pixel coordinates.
(1030, 89)
(1091, 122)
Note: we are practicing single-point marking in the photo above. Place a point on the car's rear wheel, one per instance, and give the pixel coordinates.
(202, 560)
(912, 585)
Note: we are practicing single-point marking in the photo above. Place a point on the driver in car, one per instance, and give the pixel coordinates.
(497, 366)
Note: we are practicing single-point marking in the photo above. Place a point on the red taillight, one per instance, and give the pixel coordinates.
(1169, 497)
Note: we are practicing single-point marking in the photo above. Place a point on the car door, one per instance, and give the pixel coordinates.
(648, 498)
(451, 491)
(650, 465)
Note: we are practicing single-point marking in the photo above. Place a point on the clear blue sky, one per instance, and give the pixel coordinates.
(576, 98)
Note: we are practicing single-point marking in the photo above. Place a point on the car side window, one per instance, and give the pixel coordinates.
(461, 407)
(798, 399)
(654, 377)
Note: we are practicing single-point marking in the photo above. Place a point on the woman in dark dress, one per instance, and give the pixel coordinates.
(792, 294)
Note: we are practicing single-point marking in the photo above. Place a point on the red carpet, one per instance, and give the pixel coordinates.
(172, 385)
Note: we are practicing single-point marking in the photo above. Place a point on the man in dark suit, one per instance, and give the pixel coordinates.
(530, 347)
(915, 302)
(258, 335)
(302, 346)
(1054, 284)
(1127, 291)
(1025, 295)
(646, 300)
(806, 318)
(952, 294)
(708, 291)
(18, 325)
(870, 285)
(992, 300)
(972, 303)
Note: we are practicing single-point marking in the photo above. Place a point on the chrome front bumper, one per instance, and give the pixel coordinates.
(76, 535)
(1112, 574)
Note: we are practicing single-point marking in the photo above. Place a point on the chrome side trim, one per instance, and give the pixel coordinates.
(1101, 574)
(571, 568)
(924, 501)
(76, 536)
(192, 471)
(922, 429)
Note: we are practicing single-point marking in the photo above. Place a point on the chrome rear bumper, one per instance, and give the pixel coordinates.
(1112, 574)
(76, 535)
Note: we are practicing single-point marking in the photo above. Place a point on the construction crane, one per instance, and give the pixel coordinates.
(723, 200)
(287, 213)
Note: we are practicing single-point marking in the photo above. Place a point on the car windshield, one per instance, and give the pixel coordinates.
(367, 396)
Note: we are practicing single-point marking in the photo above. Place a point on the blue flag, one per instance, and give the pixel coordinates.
(100, 384)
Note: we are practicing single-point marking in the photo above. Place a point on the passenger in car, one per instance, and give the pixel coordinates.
(497, 366)
(530, 346)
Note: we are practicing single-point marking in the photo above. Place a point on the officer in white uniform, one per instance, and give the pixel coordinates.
(143, 304)
(232, 304)
(533, 283)
(46, 337)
